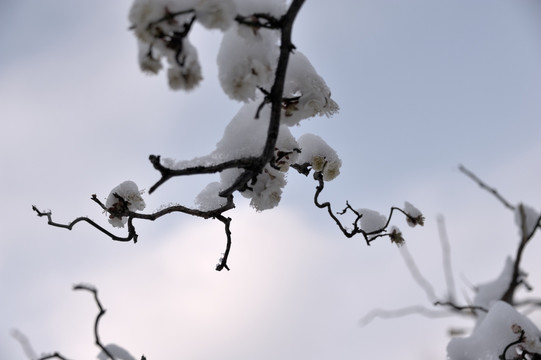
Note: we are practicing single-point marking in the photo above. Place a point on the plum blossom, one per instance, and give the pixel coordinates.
(415, 217)
(316, 152)
(124, 197)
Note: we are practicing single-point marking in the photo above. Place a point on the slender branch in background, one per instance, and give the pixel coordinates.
(406, 311)
(446, 254)
(526, 235)
(98, 317)
(416, 274)
(491, 190)
(55, 355)
(25, 344)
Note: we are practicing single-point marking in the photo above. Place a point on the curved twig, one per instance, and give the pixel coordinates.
(98, 317)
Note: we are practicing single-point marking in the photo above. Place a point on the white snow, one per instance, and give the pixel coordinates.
(245, 64)
(531, 217)
(417, 217)
(315, 96)
(117, 351)
(493, 291)
(216, 14)
(500, 327)
(208, 199)
(128, 191)
(372, 220)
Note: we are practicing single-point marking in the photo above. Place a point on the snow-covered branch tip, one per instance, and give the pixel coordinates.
(369, 223)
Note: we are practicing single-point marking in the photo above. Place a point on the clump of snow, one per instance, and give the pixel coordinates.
(500, 327)
(323, 158)
(116, 351)
(494, 290)
(244, 65)
(245, 136)
(372, 220)
(308, 93)
(531, 218)
(415, 215)
(130, 199)
(216, 14)
(209, 199)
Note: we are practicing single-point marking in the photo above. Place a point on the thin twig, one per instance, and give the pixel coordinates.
(483, 185)
(98, 317)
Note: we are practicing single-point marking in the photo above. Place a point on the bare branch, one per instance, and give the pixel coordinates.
(223, 261)
(525, 238)
(491, 190)
(25, 344)
(69, 226)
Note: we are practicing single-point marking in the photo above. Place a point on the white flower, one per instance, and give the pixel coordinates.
(148, 62)
(323, 158)
(124, 197)
(396, 236)
(415, 216)
(331, 170)
(185, 75)
(266, 193)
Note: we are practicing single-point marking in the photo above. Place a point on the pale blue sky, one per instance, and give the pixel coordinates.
(422, 85)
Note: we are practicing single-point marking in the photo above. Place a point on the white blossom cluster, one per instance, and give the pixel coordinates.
(162, 28)
(247, 61)
(126, 195)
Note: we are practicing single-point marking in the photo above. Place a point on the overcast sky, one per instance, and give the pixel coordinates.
(423, 86)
